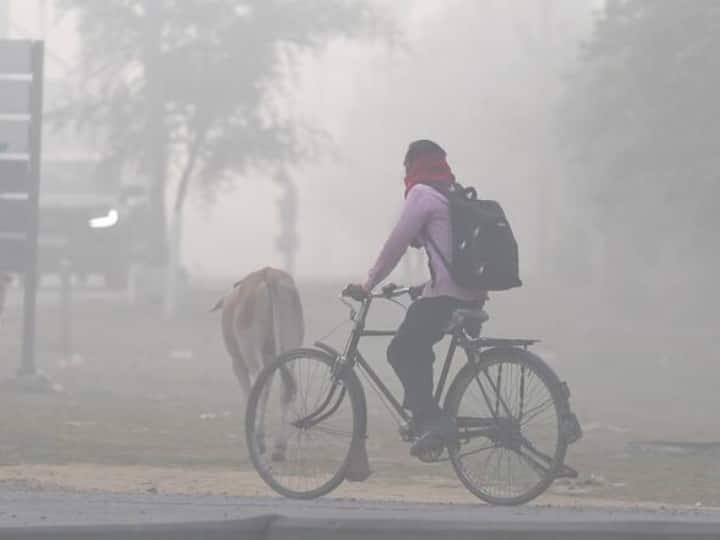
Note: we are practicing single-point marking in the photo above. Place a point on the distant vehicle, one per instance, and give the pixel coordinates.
(93, 223)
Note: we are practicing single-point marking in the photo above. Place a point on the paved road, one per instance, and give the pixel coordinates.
(31, 508)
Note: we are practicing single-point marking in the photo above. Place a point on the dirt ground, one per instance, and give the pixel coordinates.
(145, 404)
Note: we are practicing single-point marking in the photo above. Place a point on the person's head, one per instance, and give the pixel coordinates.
(426, 163)
(422, 148)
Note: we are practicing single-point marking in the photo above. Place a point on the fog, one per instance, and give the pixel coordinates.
(490, 72)
(468, 63)
(618, 275)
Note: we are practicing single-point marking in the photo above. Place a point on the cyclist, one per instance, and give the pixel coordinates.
(425, 213)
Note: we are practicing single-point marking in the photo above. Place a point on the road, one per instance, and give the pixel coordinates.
(22, 508)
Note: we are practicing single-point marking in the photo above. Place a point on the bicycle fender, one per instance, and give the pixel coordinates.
(327, 349)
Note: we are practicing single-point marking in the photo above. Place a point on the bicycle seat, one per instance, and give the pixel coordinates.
(469, 319)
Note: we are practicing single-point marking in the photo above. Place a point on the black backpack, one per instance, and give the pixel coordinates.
(485, 253)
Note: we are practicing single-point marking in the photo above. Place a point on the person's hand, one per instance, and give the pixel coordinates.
(356, 292)
(416, 292)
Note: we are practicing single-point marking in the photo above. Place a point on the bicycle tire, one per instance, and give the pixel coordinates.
(353, 392)
(543, 372)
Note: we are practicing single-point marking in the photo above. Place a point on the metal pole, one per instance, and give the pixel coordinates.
(66, 308)
(31, 275)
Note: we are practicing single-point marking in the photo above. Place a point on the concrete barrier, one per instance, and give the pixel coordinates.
(270, 527)
(357, 529)
(255, 528)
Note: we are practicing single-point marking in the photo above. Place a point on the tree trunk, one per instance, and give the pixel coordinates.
(156, 157)
(172, 290)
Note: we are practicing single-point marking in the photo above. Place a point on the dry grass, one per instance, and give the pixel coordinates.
(155, 401)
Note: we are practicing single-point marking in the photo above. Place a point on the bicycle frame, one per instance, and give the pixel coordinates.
(352, 357)
(502, 428)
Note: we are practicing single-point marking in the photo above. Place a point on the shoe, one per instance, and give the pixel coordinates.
(435, 434)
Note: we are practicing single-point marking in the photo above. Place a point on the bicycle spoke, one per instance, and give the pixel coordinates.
(538, 410)
(502, 400)
(539, 468)
(530, 446)
(331, 431)
(312, 430)
(476, 451)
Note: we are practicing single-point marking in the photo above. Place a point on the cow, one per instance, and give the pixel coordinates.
(262, 317)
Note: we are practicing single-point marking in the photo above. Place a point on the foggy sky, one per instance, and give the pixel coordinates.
(464, 74)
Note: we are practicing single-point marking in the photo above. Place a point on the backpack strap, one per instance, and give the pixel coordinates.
(447, 192)
(455, 190)
(444, 260)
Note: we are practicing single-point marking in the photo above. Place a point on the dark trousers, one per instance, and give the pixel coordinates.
(411, 352)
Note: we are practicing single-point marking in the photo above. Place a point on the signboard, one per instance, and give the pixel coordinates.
(14, 175)
(14, 136)
(15, 96)
(15, 215)
(15, 57)
(14, 252)
(21, 78)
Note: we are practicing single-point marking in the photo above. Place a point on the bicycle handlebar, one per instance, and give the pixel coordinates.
(389, 291)
(392, 291)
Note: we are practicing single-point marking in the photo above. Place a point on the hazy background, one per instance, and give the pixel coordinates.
(595, 128)
(479, 77)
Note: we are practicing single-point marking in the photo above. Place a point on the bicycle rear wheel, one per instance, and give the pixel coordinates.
(508, 404)
(313, 419)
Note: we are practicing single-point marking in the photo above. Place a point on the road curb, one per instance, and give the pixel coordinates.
(356, 529)
(254, 528)
(273, 527)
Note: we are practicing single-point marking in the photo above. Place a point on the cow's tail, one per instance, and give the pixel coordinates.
(272, 288)
(286, 376)
(218, 305)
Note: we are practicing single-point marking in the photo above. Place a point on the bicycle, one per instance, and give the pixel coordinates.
(510, 407)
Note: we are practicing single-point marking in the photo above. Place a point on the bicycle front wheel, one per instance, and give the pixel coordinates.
(508, 404)
(311, 417)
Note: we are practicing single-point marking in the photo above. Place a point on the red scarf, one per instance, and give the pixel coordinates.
(428, 169)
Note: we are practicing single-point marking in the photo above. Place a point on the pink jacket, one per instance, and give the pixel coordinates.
(425, 213)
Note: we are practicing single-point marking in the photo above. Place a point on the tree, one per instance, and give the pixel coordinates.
(184, 89)
(641, 123)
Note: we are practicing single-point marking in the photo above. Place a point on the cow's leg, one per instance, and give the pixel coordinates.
(251, 350)
(243, 377)
(287, 396)
(262, 410)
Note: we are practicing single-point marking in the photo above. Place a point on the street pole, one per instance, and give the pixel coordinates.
(66, 308)
(27, 367)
